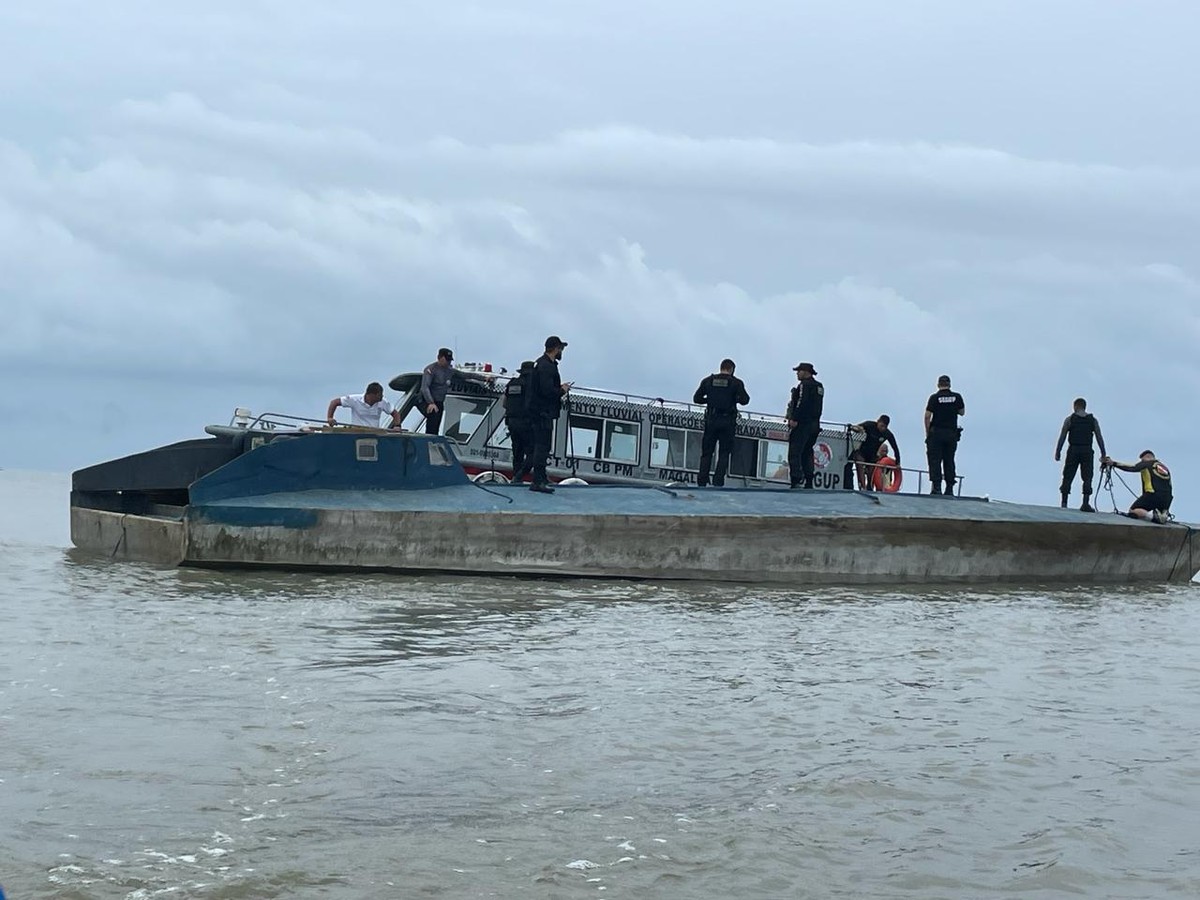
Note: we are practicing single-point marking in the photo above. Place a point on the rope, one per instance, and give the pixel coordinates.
(1187, 542)
(1106, 483)
(504, 497)
(121, 539)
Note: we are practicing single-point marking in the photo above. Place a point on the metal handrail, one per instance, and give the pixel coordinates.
(269, 421)
(638, 400)
(921, 474)
(697, 409)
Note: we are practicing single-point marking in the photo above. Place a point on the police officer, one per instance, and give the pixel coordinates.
(1077, 431)
(804, 420)
(435, 385)
(942, 434)
(516, 418)
(545, 406)
(720, 394)
(875, 434)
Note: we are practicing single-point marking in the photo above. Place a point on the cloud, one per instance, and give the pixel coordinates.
(291, 206)
(501, 227)
(187, 118)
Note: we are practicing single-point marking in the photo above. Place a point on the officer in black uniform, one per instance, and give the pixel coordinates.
(804, 420)
(942, 434)
(1077, 431)
(875, 434)
(720, 394)
(545, 406)
(516, 418)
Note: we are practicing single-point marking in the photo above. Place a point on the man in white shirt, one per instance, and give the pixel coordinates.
(365, 408)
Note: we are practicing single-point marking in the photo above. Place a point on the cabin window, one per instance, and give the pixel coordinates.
(500, 437)
(621, 441)
(439, 454)
(774, 461)
(366, 450)
(744, 459)
(674, 448)
(463, 416)
(584, 440)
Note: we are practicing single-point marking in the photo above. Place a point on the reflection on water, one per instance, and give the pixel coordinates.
(207, 734)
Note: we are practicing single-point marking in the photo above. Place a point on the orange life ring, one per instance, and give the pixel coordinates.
(888, 476)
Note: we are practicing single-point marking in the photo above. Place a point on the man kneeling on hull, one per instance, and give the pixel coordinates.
(1155, 501)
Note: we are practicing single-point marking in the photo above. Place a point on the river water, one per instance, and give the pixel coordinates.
(183, 733)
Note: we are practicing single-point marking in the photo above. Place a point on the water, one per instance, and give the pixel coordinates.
(196, 734)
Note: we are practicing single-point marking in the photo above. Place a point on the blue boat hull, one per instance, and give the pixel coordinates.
(402, 503)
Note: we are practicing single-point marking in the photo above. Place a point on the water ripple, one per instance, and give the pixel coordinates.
(281, 735)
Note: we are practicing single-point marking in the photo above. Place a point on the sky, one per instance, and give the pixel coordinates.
(267, 204)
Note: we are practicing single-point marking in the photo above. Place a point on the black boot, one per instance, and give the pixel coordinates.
(539, 487)
(1087, 506)
(1064, 501)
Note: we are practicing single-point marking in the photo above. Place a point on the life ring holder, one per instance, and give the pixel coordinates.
(888, 476)
(490, 477)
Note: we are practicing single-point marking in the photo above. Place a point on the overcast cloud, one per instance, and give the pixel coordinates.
(270, 203)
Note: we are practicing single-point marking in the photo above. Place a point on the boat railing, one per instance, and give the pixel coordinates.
(639, 401)
(272, 421)
(244, 419)
(892, 467)
(694, 408)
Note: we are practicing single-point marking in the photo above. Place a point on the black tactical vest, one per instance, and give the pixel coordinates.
(1081, 430)
(722, 395)
(516, 400)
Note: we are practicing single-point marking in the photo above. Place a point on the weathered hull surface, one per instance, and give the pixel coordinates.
(129, 537)
(788, 550)
(407, 506)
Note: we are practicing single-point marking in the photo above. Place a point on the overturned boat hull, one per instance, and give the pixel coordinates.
(403, 503)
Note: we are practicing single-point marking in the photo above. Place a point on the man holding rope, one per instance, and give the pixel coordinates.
(1155, 502)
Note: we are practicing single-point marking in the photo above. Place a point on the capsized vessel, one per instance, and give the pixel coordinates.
(398, 501)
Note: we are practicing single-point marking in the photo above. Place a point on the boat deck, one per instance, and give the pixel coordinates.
(618, 500)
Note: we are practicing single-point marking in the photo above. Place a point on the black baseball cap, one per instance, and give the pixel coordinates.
(446, 352)
(807, 367)
(554, 341)
(944, 379)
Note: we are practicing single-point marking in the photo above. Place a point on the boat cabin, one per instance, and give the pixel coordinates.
(605, 437)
